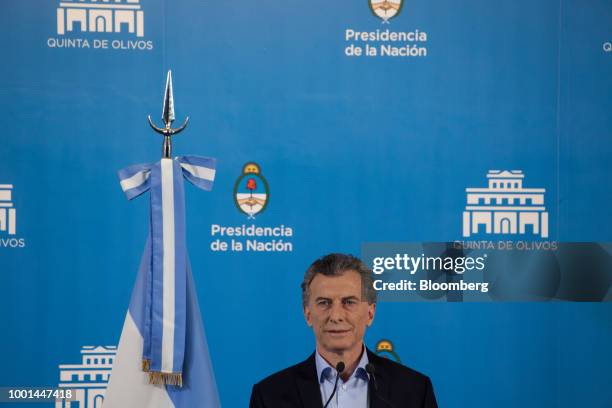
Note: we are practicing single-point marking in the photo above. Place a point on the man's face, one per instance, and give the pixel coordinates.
(336, 312)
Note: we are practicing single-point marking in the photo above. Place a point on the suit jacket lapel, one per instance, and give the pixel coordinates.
(382, 381)
(308, 384)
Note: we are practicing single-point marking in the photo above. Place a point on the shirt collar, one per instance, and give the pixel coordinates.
(327, 372)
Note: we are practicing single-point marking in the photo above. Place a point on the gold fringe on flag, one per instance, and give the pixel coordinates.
(158, 378)
(146, 365)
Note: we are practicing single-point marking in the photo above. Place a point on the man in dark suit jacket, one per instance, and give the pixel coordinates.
(339, 303)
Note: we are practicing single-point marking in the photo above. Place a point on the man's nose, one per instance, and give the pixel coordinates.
(336, 312)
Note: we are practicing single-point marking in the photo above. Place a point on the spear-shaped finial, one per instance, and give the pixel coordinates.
(168, 118)
(168, 109)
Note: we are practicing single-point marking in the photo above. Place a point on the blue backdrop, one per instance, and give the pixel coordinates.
(354, 149)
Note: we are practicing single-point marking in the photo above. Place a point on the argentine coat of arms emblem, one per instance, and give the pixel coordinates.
(251, 191)
(386, 9)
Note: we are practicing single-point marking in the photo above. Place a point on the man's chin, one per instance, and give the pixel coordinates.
(338, 346)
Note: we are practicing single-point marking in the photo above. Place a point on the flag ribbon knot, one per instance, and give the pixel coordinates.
(166, 270)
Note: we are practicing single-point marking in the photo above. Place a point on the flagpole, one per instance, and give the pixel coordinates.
(163, 359)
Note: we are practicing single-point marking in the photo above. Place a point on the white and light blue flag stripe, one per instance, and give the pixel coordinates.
(163, 324)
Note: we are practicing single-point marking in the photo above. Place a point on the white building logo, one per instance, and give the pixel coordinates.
(505, 207)
(8, 214)
(104, 16)
(89, 379)
(100, 24)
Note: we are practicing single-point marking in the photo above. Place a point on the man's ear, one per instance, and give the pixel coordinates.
(307, 316)
(371, 313)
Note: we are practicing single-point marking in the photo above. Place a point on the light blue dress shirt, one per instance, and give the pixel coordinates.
(352, 393)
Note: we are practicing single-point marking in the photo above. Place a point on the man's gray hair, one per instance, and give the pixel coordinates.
(335, 265)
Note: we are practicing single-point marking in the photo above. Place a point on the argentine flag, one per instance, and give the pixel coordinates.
(162, 360)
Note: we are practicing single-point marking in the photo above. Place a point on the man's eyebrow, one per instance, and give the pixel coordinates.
(350, 297)
(322, 298)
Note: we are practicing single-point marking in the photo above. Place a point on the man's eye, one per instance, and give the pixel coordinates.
(350, 302)
(324, 302)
